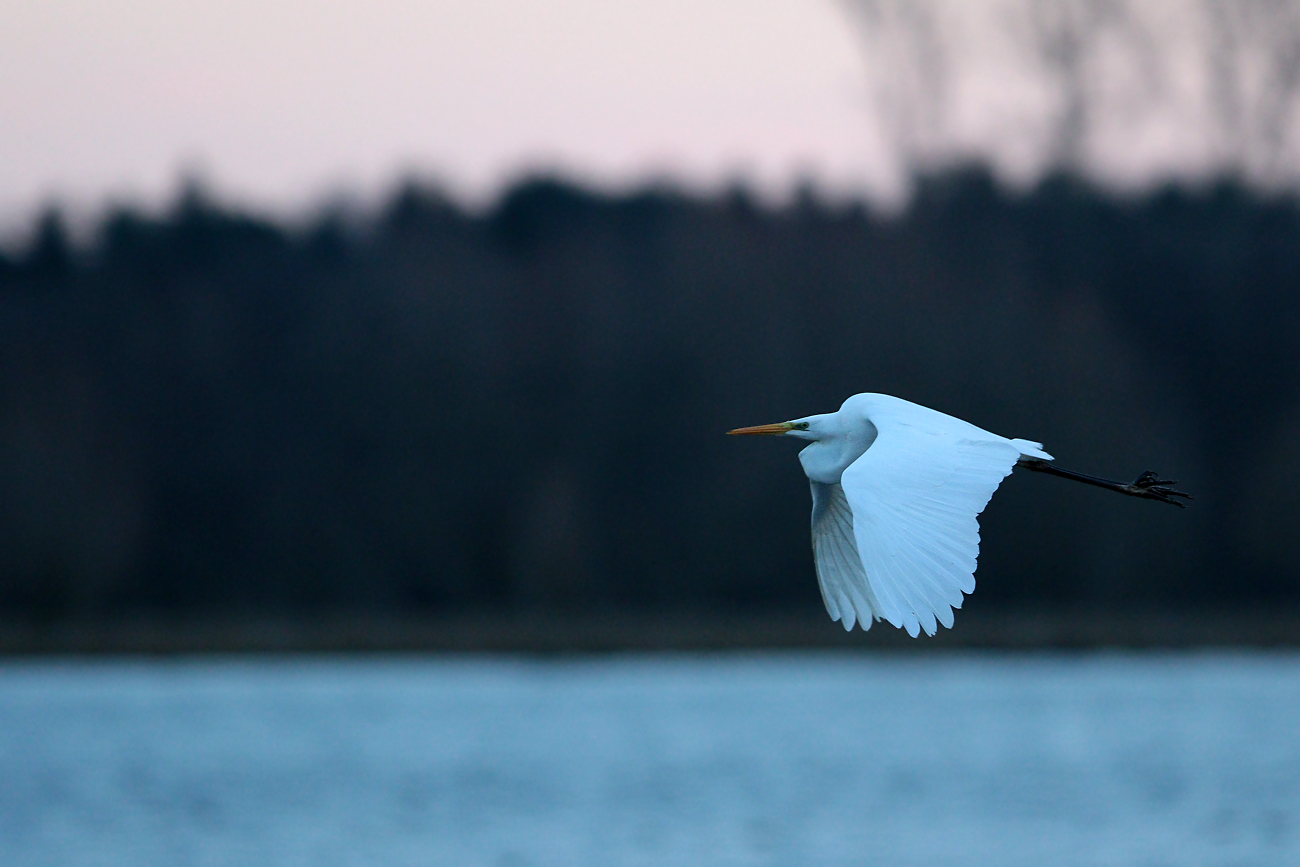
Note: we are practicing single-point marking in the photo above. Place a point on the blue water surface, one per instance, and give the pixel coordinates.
(749, 759)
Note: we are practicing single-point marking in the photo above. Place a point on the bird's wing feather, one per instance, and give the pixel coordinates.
(845, 589)
(914, 497)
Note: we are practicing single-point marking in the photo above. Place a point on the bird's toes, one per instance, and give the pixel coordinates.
(1152, 487)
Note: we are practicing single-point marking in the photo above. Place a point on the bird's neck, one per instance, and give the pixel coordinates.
(825, 460)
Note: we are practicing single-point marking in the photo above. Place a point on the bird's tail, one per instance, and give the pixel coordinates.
(1032, 449)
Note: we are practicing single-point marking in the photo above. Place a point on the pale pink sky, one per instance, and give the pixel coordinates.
(279, 104)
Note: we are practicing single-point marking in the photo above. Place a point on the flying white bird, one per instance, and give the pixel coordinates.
(896, 490)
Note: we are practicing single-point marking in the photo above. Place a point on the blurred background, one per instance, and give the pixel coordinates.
(437, 312)
(402, 326)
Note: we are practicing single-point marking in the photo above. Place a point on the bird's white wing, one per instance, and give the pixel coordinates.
(845, 589)
(914, 496)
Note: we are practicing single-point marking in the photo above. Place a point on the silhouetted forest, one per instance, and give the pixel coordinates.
(429, 410)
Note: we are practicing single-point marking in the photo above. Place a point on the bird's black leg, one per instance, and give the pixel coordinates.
(1148, 485)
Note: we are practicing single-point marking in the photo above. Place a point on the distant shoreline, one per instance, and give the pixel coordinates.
(546, 633)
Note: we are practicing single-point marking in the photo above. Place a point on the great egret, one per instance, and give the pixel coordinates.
(896, 489)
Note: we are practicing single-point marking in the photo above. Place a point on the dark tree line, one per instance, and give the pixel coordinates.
(431, 410)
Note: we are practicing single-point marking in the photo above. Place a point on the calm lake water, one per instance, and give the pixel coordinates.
(759, 759)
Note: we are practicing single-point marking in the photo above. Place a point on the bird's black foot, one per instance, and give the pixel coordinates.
(1152, 487)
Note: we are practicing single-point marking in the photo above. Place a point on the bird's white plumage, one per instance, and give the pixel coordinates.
(897, 537)
(845, 588)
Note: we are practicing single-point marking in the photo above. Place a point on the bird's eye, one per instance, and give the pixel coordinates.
(803, 425)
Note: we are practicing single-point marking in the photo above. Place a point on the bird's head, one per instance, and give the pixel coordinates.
(810, 428)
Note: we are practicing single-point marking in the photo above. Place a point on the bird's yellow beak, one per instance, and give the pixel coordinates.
(768, 429)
